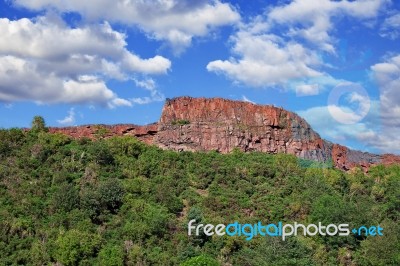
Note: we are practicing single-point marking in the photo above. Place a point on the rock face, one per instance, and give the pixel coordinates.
(143, 133)
(345, 158)
(217, 124)
(200, 124)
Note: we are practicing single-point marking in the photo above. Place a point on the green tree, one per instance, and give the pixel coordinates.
(74, 246)
(202, 260)
(111, 255)
(111, 193)
(38, 124)
(66, 198)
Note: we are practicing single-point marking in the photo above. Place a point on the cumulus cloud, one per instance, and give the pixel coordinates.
(69, 119)
(46, 61)
(263, 59)
(387, 75)
(380, 129)
(270, 50)
(312, 20)
(69, 50)
(176, 21)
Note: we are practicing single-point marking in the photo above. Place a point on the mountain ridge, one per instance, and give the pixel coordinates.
(222, 125)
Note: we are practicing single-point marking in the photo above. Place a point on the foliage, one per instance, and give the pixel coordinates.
(180, 122)
(38, 124)
(117, 201)
(202, 260)
(111, 255)
(75, 246)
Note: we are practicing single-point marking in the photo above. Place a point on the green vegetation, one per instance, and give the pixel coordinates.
(38, 124)
(180, 122)
(101, 131)
(283, 120)
(118, 201)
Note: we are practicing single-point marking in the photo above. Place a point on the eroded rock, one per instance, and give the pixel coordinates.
(201, 124)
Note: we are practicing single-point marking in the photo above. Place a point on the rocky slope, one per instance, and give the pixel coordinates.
(200, 124)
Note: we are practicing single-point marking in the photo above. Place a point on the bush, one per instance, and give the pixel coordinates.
(180, 122)
(111, 194)
(111, 255)
(202, 260)
(74, 246)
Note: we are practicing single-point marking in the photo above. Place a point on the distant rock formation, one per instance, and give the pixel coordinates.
(143, 133)
(201, 124)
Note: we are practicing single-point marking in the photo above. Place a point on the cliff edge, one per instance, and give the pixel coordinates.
(216, 124)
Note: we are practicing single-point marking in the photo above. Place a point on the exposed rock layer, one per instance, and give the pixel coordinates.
(200, 124)
(143, 133)
(222, 125)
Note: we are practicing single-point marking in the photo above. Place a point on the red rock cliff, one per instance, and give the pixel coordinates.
(200, 124)
(143, 133)
(218, 124)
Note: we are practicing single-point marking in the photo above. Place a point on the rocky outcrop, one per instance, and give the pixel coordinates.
(143, 133)
(201, 124)
(345, 158)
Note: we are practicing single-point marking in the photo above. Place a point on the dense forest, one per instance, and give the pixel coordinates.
(117, 201)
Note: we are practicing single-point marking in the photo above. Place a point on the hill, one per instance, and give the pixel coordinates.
(201, 124)
(119, 201)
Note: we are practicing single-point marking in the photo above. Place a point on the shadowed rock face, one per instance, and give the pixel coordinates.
(200, 124)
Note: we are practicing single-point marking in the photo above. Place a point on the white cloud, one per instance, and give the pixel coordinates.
(322, 121)
(380, 129)
(245, 99)
(357, 105)
(344, 115)
(312, 20)
(88, 49)
(270, 50)
(176, 21)
(386, 139)
(47, 61)
(155, 97)
(391, 27)
(387, 75)
(307, 89)
(22, 80)
(155, 65)
(69, 119)
(266, 61)
(150, 85)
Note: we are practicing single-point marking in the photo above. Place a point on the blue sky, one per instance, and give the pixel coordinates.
(335, 63)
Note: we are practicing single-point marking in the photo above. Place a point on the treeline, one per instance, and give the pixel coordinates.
(118, 201)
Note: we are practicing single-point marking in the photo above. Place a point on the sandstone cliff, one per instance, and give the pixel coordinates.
(200, 124)
(143, 133)
(222, 125)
